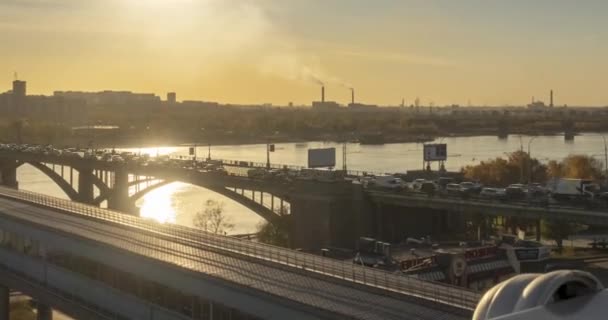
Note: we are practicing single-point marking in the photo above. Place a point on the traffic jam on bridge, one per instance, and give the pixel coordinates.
(576, 193)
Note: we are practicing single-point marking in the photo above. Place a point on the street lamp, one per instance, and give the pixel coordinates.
(605, 158)
(530, 159)
(442, 163)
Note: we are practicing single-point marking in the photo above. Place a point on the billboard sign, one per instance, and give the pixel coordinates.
(322, 158)
(435, 152)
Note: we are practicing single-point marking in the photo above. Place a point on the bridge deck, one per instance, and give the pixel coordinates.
(493, 207)
(334, 297)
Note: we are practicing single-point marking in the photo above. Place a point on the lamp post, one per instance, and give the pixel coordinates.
(521, 167)
(268, 155)
(344, 156)
(530, 159)
(605, 159)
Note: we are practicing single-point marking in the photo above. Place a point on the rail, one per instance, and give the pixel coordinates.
(304, 262)
(474, 199)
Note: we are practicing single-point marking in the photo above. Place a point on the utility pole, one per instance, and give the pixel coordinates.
(267, 155)
(209, 154)
(344, 157)
(521, 165)
(530, 159)
(605, 160)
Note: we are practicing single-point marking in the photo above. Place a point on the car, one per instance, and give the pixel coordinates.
(516, 191)
(468, 187)
(428, 187)
(492, 193)
(257, 173)
(415, 185)
(452, 188)
(388, 182)
(442, 182)
(117, 158)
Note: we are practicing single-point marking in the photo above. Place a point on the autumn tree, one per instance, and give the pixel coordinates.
(212, 218)
(577, 166)
(517, 167)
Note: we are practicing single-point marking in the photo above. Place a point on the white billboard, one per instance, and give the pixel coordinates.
(322, 158)
(435, 152)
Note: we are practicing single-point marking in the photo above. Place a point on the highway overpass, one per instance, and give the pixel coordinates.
(99, 264)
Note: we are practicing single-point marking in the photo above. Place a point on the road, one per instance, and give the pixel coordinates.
(331, 296)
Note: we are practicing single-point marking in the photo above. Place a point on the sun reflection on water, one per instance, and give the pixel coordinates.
(159, 204)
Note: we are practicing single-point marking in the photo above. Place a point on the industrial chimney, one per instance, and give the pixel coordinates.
(322, 93)
(551, 99)
(352, 95)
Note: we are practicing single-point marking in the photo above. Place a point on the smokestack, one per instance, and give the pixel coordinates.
(322, 93)
(352, 95)
(551, 99)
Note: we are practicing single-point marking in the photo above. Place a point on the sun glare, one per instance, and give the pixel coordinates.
(158, 204)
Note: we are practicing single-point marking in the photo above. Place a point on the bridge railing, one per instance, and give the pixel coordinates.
(476, 199)
(304, 262)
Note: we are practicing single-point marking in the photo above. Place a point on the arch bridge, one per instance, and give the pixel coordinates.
(120, 185)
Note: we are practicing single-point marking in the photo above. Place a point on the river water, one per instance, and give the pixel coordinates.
(178, 202)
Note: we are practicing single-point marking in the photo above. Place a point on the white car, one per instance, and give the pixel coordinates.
(416, 184)
(387, 182)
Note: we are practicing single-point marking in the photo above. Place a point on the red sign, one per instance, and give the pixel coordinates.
(428, 261)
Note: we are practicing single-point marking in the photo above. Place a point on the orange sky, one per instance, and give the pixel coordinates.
(271, 51)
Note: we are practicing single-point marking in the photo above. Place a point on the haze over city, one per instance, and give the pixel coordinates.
(271, 51)
(311, 159)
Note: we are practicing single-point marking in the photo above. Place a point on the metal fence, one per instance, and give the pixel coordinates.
(320, 266)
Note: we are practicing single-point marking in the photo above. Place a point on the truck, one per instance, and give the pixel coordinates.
(572, 189)
(373, 253)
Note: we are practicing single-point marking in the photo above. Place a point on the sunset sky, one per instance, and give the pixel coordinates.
(275, 51)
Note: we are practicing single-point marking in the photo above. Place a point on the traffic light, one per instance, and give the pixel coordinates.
(271, 147)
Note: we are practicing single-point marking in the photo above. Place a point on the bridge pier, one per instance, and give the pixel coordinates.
(85, 185)
(8, 174)
(119, 199)
(4, 302)
(44, 312)
(323, 215)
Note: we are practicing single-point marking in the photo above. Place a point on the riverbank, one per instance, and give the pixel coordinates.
(118, 139)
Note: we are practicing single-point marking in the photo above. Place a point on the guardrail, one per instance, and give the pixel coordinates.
(436, 292)
(473, 199)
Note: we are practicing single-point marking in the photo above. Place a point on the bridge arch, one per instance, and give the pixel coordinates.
(64, 185)
(258, 208)
(68, 188)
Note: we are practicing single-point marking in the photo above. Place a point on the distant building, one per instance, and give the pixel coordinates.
(171, 97)
(199, 104)
(19, 88)
(325, 105)
(109, 97)
(17, 104)
(537, 105)
(19, 107)
(362, 107)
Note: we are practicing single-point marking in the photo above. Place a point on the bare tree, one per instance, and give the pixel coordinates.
(212, 218)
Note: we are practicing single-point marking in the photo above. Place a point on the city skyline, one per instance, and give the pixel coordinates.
(272, 52)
